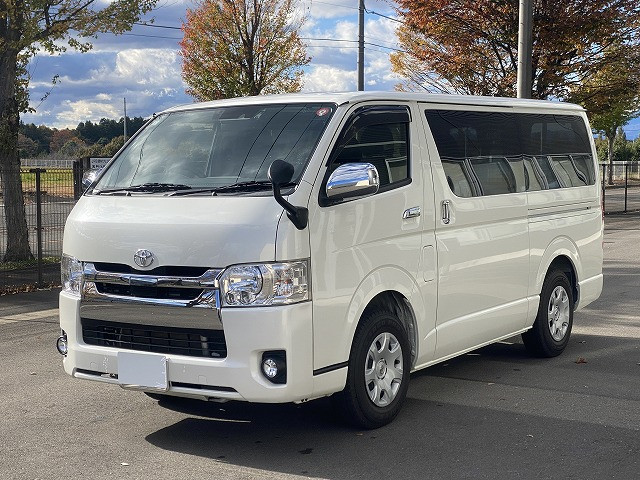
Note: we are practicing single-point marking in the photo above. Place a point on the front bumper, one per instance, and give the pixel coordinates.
(248, 331)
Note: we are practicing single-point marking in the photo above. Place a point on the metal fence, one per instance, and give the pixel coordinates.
(49, 196)
(621, 189)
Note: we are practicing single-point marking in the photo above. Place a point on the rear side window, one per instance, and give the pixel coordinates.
(494, 153)
(494, 174)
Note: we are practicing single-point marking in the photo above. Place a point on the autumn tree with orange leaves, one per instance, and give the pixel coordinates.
(471, 46)
(235, 48)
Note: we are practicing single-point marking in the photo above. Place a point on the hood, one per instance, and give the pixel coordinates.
(179, 231)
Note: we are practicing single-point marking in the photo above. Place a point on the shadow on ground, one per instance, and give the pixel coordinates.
(430, 438)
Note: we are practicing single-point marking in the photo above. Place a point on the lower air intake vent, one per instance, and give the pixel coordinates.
(148, 338)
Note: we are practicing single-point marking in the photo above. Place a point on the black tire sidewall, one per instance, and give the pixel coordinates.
(550, 346)
(367, 413)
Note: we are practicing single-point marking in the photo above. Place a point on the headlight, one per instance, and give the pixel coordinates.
(265, 284)
(71, 274)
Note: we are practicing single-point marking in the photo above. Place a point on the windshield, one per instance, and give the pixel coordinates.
(211, 148)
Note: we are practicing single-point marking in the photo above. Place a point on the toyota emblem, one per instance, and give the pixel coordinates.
(143, 258)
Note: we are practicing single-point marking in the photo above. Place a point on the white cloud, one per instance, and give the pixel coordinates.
(325, 78)
(86, 110)
(149, 66)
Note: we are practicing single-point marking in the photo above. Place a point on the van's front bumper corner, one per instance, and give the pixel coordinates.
(249, 332)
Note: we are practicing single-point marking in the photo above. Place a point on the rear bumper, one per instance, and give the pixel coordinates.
(248, 331)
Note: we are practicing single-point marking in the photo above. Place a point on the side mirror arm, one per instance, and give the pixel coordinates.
(280, 173)
(299, 216)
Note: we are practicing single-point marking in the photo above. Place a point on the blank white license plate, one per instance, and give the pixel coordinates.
(142, 370)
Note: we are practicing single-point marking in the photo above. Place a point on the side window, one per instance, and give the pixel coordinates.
(459, 177)
(533, 177)
(384, 146)
(494, 175)
(548, 174)
(584, 164)
(493, 153)
(568, 172)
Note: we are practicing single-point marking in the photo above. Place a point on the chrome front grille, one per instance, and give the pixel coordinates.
(165, 297)
(142, 291)
(149, 288)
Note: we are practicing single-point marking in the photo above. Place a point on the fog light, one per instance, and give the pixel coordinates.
(270, 368)
(61, 344)
(274, 366)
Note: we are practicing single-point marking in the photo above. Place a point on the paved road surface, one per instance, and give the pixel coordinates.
(492, 414)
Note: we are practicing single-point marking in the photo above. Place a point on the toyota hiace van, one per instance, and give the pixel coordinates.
(285, 248)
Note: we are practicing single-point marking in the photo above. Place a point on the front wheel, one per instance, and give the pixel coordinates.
(378, 375)
(552, 328)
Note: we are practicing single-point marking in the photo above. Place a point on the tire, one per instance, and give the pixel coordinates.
(375, 391)
(552, 327)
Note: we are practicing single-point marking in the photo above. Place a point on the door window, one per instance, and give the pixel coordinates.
(384, 146)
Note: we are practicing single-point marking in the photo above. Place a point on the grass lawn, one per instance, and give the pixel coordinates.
(7, 266)
(58, 182)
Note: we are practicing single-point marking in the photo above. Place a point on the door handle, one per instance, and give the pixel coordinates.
(412, 212)
(446, 211)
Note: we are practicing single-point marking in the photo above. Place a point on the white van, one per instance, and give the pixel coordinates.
(285, 248)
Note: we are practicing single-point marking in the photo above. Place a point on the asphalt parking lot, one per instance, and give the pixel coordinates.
(495, 413)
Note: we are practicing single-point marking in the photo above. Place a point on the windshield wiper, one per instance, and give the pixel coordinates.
(146, 187)
(234, 187)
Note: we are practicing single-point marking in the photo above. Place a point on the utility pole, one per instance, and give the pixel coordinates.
(361, 46)
(525, 40)
(125, 119)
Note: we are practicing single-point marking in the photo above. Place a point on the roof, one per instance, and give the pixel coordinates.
(354, 97)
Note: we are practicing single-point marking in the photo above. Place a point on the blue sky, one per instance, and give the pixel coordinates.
(144, 65)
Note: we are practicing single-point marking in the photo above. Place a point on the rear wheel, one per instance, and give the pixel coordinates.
(552, 328)
(378, 375)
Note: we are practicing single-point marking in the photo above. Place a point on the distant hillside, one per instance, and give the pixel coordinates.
(102, 138)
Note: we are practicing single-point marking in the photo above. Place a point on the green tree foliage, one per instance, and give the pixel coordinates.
(95, 136)
(72, 148)
(40, 134)
(236, 48)
(28, 26)
(612, 95)
(470, 46)
(110, 149)
(107, 128)
(26, 146)
(623, 150)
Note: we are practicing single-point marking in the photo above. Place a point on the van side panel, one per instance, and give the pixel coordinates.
(565, 222)
(568, 221)
(483, 260)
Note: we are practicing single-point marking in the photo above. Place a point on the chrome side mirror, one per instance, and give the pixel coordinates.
(353, 180)
(89, 177)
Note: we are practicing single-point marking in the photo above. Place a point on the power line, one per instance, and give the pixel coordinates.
(153, 25)
(384, 46)
(329, 39)
(335, 5)
(176, 38)
(371, 12)
(150, 36)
